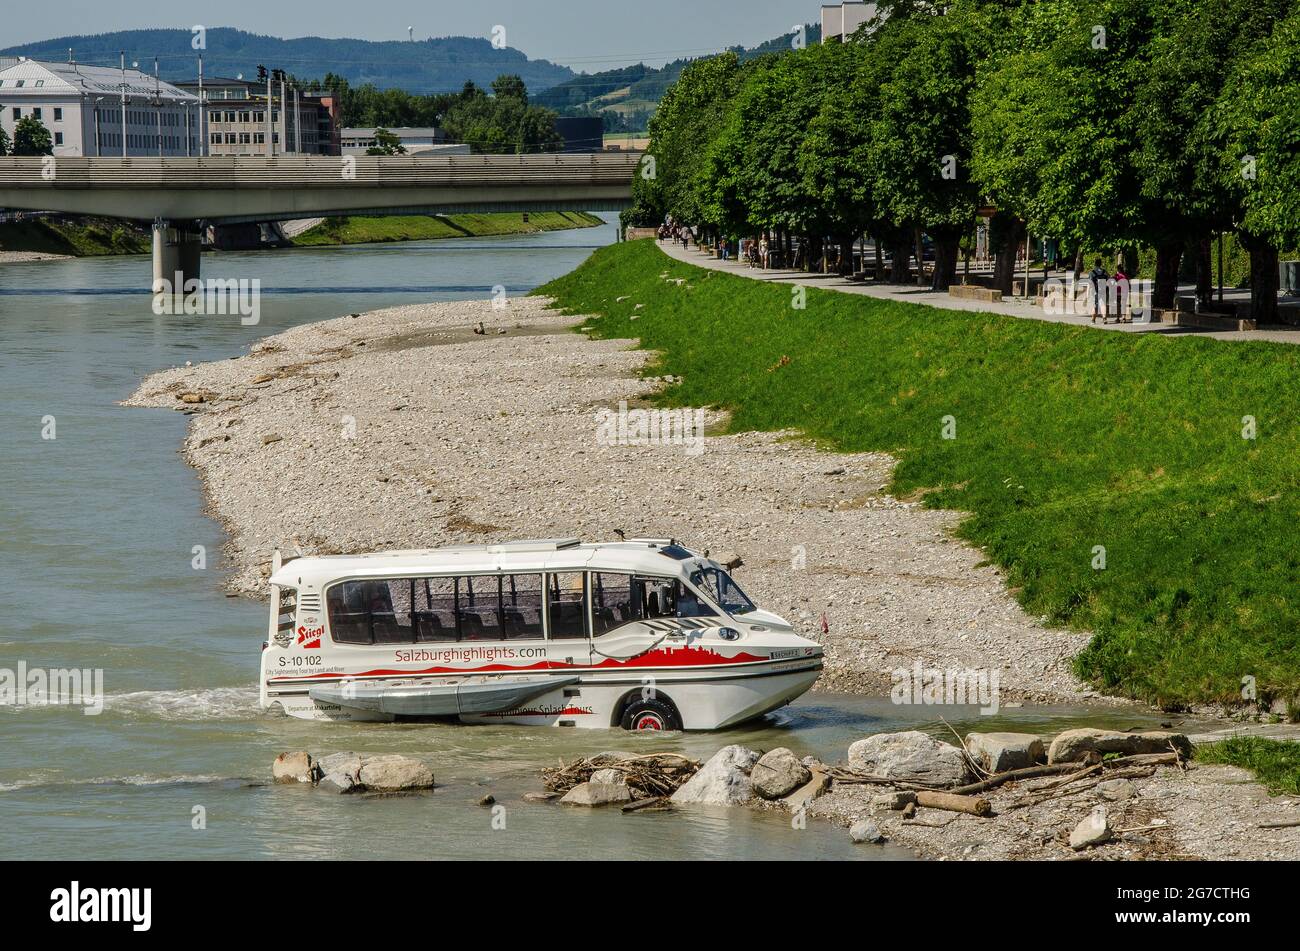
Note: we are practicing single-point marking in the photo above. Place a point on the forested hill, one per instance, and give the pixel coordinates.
(444, 64)
(634, 90)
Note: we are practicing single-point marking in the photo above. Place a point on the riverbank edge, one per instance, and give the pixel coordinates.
(51, 240)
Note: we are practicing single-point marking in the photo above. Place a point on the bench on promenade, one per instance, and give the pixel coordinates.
(986, 295)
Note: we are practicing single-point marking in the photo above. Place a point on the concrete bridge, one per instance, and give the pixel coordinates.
(178, 194)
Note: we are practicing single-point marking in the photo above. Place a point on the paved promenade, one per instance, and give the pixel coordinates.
(918, 295)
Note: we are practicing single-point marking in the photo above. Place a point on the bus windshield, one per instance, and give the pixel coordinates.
(719, 585)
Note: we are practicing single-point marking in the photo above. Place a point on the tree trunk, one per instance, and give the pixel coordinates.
(920, 257)
(1263, 278)
(1169, 256)
(1200, 251)
(1004, 267)
(880, 259)
(901, 254)
(846, 255)
(947, 248)
(1078, 260)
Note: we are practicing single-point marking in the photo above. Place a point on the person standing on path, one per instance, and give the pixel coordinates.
(1097, 278)
(1120, 283)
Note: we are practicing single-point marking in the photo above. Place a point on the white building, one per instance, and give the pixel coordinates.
(414, 140)
(100, 110)
(841, 20)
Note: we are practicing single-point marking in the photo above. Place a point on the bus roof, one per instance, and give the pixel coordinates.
(656, 556)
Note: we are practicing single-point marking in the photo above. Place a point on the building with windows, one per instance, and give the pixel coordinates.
(841, 20)
(413, 139)
(236, 118)
(100, 110)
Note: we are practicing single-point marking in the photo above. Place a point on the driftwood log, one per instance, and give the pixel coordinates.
(950, 802)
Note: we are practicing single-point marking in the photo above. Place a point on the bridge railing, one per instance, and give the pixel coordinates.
(317, 170)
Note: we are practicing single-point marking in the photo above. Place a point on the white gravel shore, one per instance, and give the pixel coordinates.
(403, 428)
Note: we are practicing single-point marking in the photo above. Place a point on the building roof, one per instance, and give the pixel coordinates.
(402, 132)
(54, 79)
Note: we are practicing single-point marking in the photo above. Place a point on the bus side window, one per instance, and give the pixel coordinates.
(567, 613)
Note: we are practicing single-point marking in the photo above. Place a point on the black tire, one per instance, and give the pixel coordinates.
(651, 715)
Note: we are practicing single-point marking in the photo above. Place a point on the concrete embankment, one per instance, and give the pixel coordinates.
(407, 428)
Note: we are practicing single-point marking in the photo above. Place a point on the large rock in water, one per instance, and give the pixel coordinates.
(999, 752)
(606, 786)
(724, 779)
(778, 773)
(394, 774)
(912, 757)
(292, 768)
(1074, 745)
(339, 772)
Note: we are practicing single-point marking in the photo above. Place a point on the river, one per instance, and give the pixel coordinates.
(98, 533)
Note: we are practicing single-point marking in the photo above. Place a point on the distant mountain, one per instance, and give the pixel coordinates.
(422, 66)
(626, 97)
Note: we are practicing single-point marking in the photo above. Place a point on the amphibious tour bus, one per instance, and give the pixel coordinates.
(643, 634)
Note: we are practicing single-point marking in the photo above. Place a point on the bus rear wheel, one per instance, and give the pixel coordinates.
(651, 715)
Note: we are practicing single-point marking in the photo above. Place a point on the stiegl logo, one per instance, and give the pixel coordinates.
(75, 904)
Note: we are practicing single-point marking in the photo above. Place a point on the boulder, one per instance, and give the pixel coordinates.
(816, 785)
(1116, 790)
(540, 796)
(1074, 745)
(999, 752)
(606, 786)
(724, 779)
(912, 757)
(864, 830)
(778, 773)
(339, 772)
(1093, 830)
(395, 773)
(293, 768)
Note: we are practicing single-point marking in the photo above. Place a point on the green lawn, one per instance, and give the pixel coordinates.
(346, 230)
(1274, 762)
(1067, 438)
(84, 238)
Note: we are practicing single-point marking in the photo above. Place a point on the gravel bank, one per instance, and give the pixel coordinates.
(403, 428)
(23, 257)
(1205, 812)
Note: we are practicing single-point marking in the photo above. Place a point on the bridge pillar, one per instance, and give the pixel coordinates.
(175, 257)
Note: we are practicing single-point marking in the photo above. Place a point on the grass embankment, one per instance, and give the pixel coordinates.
(1068, 440)
(81, 238)
(1276, 763)
(350, 230)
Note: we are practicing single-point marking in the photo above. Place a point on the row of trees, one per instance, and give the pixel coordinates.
(503, 121)
(30, 138)
(1106, 124)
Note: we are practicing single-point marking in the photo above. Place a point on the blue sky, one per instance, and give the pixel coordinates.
(588, 35)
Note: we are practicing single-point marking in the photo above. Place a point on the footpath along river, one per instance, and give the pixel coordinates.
(98, 528)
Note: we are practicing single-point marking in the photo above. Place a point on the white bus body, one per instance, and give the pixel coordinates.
(642, 634)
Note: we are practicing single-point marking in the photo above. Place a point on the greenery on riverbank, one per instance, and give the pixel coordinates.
(88, 237)
(1068, 440)
(1276, 763)
(350, 230)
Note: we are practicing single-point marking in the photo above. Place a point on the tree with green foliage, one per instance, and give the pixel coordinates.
(386, 143)
(1255, 122)
(4, 141)
(1181, 139)
(503, 123)
(32, 138)
(689, 117)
